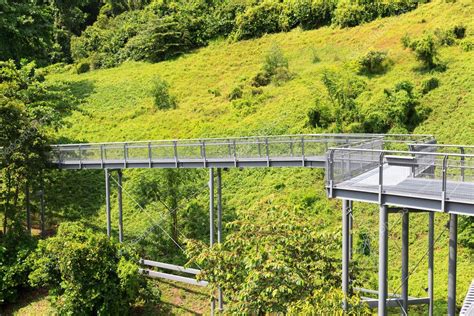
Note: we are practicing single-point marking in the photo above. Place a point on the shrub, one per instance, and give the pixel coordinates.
(445, 37)
(162, 98)
(261, 79)
(266, 17)
(15, 248)
(425, 49)
(459, 31)
(350, 13)
(374, 62)
(276, 65)
(429, 84)
(312, 14)
(82, 67)
(87, 272)
(236, 93)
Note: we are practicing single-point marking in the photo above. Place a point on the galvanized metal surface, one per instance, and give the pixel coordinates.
(468, 305)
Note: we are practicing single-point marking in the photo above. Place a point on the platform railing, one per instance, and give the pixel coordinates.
(447, 176)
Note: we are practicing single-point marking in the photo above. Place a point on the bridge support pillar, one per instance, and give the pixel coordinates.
(431, 263)
(107, 201)
(119, 198)
(383, 260)
(453, 239)
(211, 223)
(345, 250)
(405, 257)
(219, 227)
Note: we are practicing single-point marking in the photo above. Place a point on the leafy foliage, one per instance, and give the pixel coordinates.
(425, 49)
(86, 271)
(374, 62)
(271, 260)
(266, 17)
(312, 14)
(161, 96)
(15, 247)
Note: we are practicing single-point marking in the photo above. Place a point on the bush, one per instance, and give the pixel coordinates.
(15, 248)
(445, 37)
(425, 49)
(162, 98)
(236, 93)
(320, 116)
(266, 17)
(374, 62)
(429, 84)
(314, 56)
(312, 14)
(459, 31)
(261, 79)
(276, 65)
(82, 67)
(87, 272)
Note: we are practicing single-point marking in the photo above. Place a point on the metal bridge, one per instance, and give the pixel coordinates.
(398, 172)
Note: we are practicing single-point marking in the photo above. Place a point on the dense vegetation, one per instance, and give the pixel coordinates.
(396, 74)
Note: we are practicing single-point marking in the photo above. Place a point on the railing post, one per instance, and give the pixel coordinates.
(80, 157)
(444, 183)
(267, 151)
(203, 153)
(149, 155)
(101, 156)
(381, 164)
(125, 155)
(463, 162)
(331, 172)
(235, 152)
(302, 152)
(175, 150)
(259, 148)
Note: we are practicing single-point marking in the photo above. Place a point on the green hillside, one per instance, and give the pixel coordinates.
(118, 106)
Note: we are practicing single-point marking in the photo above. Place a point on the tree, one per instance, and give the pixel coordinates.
(273, 257)
(87, 272)
(30, 109)
(26, 30)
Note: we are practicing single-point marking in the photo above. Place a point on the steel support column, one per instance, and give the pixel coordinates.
(351, 232)
(42, 208)
(219, 227)
(431, 263)
(345, 252)
(405, 257)
(107, 201)
(453, 239)
(120, 208)
(383, 260)
(211, 222)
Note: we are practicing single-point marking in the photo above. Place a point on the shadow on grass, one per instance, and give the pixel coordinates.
(35, 298)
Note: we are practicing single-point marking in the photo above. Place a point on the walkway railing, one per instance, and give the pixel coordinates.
(268, 147)
(449, 176)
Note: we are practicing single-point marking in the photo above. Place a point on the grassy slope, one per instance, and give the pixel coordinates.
(118, 107)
